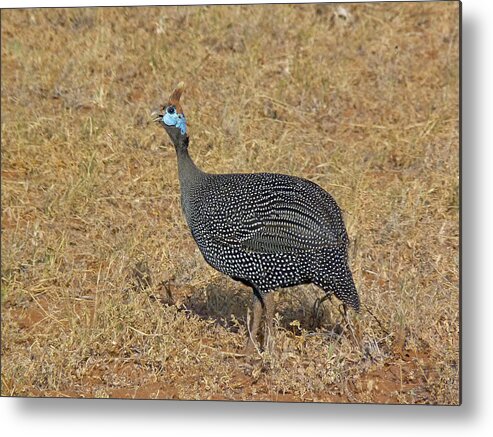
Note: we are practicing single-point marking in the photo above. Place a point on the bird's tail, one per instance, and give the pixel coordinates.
(342, 285)
(346, 291)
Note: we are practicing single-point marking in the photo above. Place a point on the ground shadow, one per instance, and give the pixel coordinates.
(228, 302)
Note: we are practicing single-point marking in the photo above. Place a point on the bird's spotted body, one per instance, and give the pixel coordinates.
(266, 230)
(270, 231)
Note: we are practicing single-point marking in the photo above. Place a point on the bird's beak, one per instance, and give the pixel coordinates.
(157, 114)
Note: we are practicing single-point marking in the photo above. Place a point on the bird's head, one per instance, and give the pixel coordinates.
(171, 116)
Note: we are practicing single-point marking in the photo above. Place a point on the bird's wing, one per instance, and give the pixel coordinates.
(286, 215)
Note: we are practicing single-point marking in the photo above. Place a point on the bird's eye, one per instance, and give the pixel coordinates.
(171, 110)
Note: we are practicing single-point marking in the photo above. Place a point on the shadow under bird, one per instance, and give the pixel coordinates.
(266, 230)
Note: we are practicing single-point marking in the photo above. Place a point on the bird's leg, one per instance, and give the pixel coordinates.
(343, 313)
(316, 309)
(269, 315)
(257, 317)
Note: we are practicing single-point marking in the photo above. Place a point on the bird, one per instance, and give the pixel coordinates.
(268, 231)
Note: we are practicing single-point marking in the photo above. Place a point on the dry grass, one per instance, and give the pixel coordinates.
(104, 293)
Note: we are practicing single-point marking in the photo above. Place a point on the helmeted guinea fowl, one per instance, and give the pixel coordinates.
(266, 230)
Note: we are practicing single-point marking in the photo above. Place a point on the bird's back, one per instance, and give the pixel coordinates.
(265, 212)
